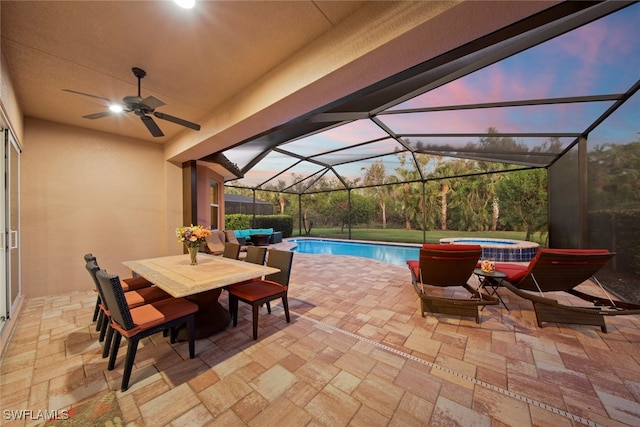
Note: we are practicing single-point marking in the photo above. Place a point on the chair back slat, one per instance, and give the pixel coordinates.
(115, 299)
(281, 260)
(555, 270)
(447, 266)
(256, 254)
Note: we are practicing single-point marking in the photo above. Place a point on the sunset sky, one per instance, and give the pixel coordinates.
(600, 58)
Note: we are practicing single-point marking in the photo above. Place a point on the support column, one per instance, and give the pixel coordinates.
(583, 191)
(189, 193)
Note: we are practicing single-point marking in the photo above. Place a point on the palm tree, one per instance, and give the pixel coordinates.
(376, 175)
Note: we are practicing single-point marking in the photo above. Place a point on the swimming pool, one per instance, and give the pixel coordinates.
(393, 254)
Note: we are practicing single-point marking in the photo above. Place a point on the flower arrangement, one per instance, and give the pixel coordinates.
(488, 266)
(193, 236)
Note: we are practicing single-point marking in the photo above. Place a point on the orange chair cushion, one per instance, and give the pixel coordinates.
(256, 290)
(134, 283)
(148, 316)
(145, 296)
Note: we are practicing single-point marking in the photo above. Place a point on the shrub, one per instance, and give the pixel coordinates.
(237, 221)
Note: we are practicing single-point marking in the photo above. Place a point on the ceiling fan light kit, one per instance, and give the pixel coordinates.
(143, 108)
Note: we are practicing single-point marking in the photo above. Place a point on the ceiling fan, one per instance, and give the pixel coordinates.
(141, 107)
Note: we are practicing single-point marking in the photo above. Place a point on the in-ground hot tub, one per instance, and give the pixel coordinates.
(503, 250)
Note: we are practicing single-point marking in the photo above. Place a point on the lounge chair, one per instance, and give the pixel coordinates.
(230, 236)
(562, 270)
(448, 266)
(215, 243)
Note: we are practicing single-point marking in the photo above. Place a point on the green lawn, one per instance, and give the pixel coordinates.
(415, 236)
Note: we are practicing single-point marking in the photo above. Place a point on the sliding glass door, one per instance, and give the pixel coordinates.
(4, 291)
(11, 213)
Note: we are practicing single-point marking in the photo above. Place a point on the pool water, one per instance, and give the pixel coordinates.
(393, 254)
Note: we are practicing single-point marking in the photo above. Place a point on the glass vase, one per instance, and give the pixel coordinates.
(193, 254)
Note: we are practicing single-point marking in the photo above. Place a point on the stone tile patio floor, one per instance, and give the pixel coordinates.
(357, 352)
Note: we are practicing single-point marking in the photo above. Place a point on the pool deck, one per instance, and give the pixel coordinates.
(357, 352)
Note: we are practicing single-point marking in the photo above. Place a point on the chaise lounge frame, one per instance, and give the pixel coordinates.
(561, 270)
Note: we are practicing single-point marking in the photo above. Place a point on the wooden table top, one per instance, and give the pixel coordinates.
(175, 275)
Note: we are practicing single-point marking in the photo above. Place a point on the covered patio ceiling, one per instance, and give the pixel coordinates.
(542, 83)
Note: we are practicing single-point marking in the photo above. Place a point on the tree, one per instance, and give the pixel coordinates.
(501, 144)
(446, 170)
(412, 203)
(523, 195)
(361, 208)
(277, 197)
(614, 176)
(375, 175)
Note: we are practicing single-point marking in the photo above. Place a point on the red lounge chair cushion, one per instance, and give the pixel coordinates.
(414, 265)
(516, 272)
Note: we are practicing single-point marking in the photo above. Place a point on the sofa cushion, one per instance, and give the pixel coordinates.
(248, 232)
(242, 233)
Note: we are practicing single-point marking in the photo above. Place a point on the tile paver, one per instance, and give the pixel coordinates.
(357, 352)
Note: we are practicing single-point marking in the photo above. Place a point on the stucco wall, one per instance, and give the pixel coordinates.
(204, 176)
(85, 191)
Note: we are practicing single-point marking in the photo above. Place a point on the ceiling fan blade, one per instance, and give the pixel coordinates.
(88, 94)
(99, 115)
(177, 120)
(152, 102)
(152, 126)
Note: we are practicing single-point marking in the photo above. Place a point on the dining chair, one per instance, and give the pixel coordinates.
(133, 299)
(129, 284)
(231, 250)
(140, 322)
(256, 254)
(260, 291)
(97, 313)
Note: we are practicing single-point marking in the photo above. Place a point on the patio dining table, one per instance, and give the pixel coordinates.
(201, 283)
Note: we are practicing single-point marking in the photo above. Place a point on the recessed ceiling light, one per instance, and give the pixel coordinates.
(187, 4)
(115, 108)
